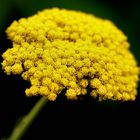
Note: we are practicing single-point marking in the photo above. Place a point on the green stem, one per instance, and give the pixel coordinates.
(22, 127)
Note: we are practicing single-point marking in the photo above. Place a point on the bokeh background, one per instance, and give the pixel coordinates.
(79, 118)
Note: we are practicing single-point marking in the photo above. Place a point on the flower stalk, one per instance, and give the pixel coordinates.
(24, 124)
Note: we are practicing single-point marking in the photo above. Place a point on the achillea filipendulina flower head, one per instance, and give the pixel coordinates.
(60, 49)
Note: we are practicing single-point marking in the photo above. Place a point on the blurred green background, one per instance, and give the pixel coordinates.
(14, 104)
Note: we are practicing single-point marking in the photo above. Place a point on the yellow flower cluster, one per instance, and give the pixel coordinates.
(60, 49)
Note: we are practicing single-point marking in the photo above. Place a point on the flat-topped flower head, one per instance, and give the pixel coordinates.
(60, 49)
